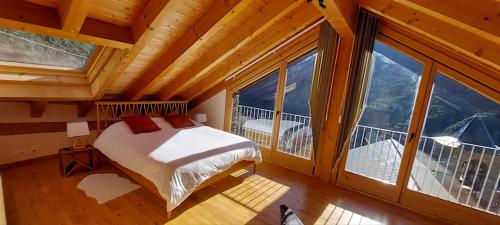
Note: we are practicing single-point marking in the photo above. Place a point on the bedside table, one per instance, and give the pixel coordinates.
(70, 159)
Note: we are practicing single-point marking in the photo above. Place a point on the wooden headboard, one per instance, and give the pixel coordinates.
(108, 113)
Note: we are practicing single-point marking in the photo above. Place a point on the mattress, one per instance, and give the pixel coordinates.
(176, 161)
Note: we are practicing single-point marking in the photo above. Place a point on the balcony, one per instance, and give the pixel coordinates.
(463, 173)
(294, 135)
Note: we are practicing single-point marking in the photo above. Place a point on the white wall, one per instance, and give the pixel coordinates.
(44, 143)
(214, 107)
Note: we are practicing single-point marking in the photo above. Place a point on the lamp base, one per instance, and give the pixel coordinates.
(79, 143)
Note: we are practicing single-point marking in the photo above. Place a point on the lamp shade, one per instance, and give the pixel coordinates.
(200, 118)
(76, 129)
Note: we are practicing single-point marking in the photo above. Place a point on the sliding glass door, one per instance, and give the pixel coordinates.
(272, 109)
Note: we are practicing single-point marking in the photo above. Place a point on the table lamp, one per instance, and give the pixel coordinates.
(78, 130)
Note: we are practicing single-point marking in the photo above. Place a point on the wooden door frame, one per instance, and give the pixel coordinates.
(381, 190)
(279, 60)
(261, 73)
(283, 159)
(435, 206)
(483, 81)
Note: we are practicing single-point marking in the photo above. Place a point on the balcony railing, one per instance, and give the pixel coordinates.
(294, 135)
(463, 173)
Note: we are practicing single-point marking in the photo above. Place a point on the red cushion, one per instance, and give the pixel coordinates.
(140, 124)
(179, 121)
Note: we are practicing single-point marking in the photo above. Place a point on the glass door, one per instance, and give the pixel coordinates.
(456, 161)
(253, 110)
(294, 140)
(381, 140)
(272, 109)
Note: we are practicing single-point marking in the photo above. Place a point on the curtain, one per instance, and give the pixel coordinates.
(322, 79)
(359, 76)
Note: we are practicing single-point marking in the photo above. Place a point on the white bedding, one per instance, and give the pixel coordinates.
(176, 161)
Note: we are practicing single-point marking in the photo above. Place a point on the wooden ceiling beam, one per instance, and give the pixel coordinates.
(37, 108)
(84, 108)
(221, 13)
(143, 29)
(22, 15)
(21, 70)
(280, 31)
(480, 17)
(72, 14)
(341, 14)
(271, 15)
(449, 32)
(31, 92)
(43, 79)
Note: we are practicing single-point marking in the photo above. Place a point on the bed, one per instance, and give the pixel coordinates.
(172, 163)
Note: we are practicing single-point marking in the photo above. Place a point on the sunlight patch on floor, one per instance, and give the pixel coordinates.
(256, 192)
(237, 205)
(238, 173)
(337, 215)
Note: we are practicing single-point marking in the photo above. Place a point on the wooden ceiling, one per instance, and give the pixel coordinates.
(164, 48)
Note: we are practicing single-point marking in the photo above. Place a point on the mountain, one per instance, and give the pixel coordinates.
(391, 96)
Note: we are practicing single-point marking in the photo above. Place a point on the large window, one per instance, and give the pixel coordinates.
(295, 133)
(270, 105)
(458, 157)
(378, 142)
(253, 110)
(21, 48)
(428, 136)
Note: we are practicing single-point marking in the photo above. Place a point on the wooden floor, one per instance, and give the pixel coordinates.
(36, 193)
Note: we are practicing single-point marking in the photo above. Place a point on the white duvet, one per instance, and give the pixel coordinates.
(176, 161)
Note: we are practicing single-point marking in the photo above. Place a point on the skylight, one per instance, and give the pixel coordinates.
(21, 48)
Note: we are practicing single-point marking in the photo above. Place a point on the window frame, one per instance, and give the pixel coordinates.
(464, 71)
(276, 61)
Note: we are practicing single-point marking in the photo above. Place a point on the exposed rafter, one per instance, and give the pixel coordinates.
(43, 79)
(241, 38)
(143, 29)
(21, 70)
(73, 13)
(279, 32)
(10, 91)
(461, 32)
(34, 18)
(209, 25)
(37, 108)
(84, 108)
(341, 14)
(480, 17)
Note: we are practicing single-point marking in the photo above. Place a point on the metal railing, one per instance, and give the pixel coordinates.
(376, 153)
(463, 173)
(294, 135)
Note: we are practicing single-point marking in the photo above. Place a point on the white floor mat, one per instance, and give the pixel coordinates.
(105, 187)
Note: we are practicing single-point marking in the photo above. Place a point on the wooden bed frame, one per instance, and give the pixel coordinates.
(111, 112)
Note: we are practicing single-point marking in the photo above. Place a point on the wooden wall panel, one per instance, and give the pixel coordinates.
(37, 127)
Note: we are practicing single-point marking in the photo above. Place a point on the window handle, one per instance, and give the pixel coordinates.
(412, 135)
